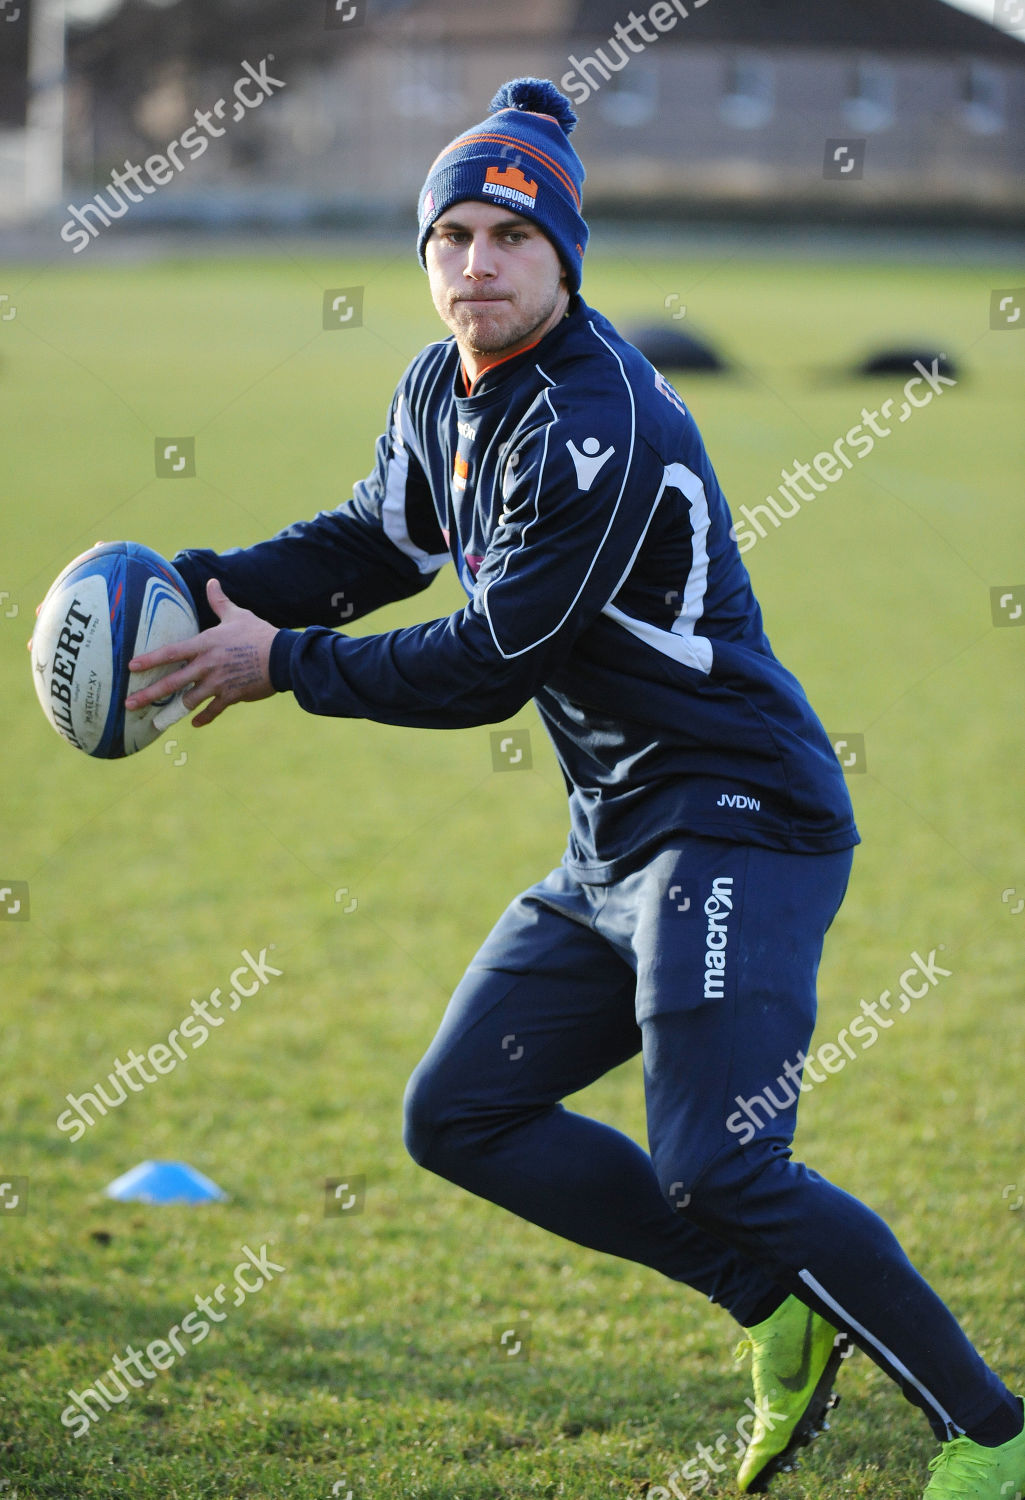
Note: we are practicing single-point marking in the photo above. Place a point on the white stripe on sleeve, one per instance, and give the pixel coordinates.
(393, 506)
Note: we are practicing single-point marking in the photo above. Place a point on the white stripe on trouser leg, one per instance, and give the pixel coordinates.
(953, 1429)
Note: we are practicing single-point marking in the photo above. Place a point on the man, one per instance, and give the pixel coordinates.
(711, 832)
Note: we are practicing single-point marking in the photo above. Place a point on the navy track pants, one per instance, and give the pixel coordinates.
(704, 960)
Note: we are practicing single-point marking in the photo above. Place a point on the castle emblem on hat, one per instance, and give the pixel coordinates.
(510, 182)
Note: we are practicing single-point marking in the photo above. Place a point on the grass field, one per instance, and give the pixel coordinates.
(375, 860)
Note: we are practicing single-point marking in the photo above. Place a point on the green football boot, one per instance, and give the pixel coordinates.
(795, 1357)
(963, 1470)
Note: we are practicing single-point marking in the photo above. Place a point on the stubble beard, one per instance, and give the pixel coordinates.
(480, 335)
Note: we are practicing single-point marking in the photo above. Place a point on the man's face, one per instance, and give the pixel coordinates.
(496, 278)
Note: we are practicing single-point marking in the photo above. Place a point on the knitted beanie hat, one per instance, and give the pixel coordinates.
(519, 158)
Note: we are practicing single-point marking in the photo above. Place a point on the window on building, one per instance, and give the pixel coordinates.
(630, 98)
(426, 84)
(983, 102)
(868, 105)
(750, 94)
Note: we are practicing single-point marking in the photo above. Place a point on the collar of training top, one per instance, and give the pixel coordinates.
(489, 382)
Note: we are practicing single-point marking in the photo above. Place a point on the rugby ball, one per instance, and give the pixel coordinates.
(109, 605)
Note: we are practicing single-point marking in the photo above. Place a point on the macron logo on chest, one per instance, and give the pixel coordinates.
(590, 461)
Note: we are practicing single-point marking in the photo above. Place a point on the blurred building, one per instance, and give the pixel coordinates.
(782, 108)
(730, 108)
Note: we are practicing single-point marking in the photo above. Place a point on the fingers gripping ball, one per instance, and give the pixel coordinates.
(109, 605)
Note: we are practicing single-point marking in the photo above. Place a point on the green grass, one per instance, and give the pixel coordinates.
(368, 1365)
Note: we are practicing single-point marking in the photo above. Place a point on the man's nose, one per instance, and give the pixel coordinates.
(480, 258)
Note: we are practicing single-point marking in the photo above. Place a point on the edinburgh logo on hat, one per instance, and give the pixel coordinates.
(520, 157)
(510, 184)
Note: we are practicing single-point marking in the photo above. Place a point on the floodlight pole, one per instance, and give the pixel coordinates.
(44, 119)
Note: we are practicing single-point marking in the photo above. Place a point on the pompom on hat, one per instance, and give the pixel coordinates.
(519, 158)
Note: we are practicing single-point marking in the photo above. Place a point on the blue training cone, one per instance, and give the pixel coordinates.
(164, 1182)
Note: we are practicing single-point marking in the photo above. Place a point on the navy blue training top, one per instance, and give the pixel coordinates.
(573, 494)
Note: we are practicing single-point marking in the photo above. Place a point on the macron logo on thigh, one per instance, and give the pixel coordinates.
(717, 910)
